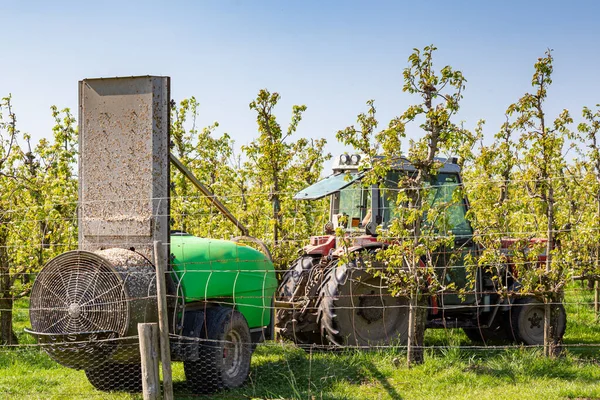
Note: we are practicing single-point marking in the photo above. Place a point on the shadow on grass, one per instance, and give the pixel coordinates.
(383, 381)
(522, 365)
(287, 372)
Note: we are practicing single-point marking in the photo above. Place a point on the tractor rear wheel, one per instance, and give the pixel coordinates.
(116, 377)
(527, 321)
(356, 309)
(293, 289)
(225, 355)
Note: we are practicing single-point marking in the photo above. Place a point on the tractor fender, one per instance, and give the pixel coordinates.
(369, 246)
(320, 245)
(341, 269)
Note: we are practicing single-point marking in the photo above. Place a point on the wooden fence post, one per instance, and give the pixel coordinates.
(163, 321)
(149, 353)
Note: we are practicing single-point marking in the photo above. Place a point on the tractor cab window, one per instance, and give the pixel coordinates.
(389, 197)
(351, 205)
(447, 206)
(448, 210)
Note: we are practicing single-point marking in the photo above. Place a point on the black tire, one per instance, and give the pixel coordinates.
(295, 277)
(495, 333)
(485, 335)
(527, 321)
(293, 288)
(225, 356)
(355, 309)
(116, 377)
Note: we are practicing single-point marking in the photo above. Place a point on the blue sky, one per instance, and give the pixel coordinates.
(330, 55)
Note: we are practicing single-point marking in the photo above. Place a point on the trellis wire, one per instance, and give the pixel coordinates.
(577, 300)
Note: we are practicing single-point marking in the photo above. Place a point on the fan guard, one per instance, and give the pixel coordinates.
(78, 292)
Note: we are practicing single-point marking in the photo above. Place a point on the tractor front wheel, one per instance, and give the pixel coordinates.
(225, 353)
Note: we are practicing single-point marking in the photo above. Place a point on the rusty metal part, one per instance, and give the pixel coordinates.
(209, 195)
(258, 242)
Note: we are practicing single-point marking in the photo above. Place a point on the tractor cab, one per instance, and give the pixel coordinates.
(359, 209)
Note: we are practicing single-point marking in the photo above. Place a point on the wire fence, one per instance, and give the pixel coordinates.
(239, 328)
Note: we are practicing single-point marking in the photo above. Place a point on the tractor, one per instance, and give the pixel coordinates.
(326, 300)
(86, 304)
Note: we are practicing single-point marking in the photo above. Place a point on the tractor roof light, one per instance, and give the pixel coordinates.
(346, 159)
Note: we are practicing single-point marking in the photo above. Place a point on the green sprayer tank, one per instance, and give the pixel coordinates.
(230, 272)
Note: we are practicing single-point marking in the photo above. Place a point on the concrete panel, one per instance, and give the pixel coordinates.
(124, 163)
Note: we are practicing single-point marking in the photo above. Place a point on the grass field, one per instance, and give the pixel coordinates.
(283, 371)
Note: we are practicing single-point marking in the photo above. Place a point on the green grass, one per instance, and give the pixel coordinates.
(283, 371)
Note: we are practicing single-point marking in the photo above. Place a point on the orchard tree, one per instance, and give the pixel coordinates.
(37, 205)
(278, 166)
(590, 129)
(416, 233)
(440, 95)
(541, 144)
(493, 206)
(207, 156)
(304, 218)
(270, 152)
(10, 192)
(48, 217)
